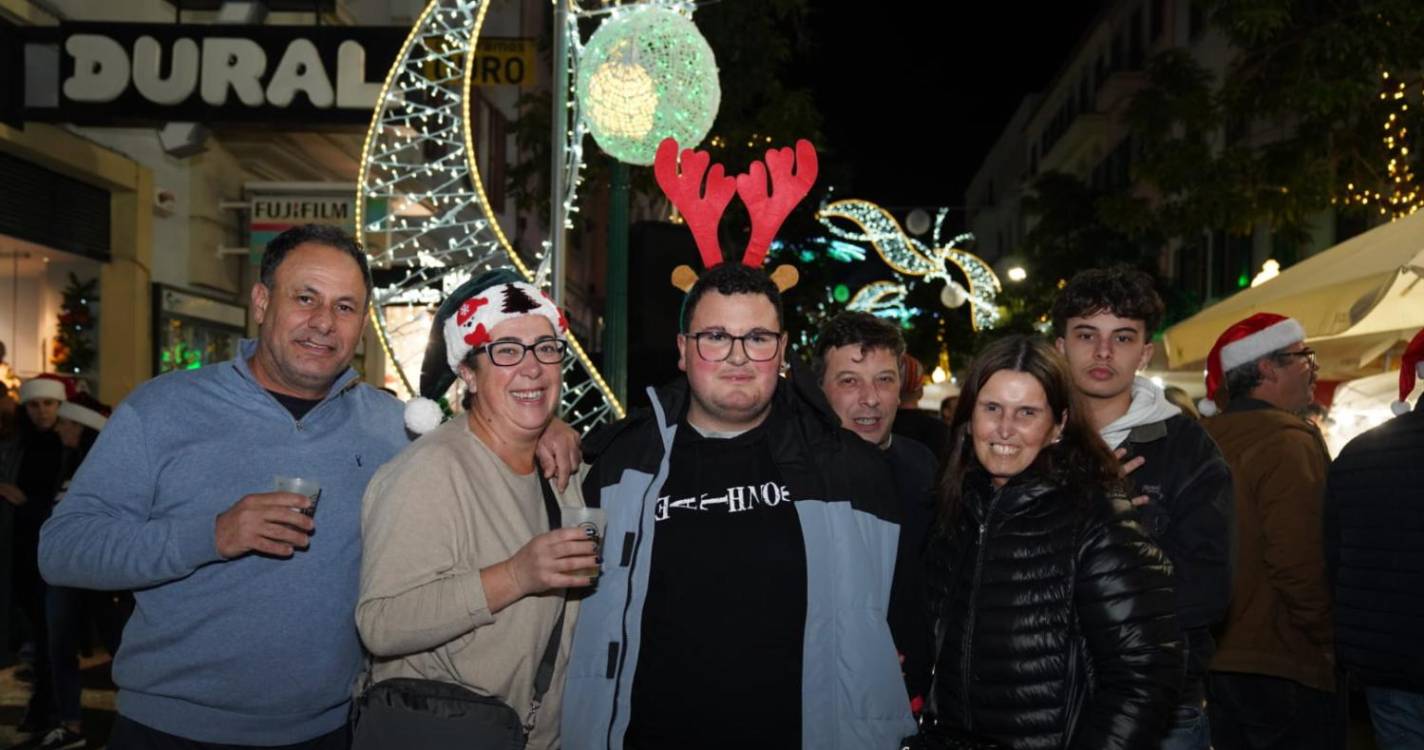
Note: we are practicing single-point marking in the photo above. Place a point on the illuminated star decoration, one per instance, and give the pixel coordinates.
(911, 257)
(437, 229)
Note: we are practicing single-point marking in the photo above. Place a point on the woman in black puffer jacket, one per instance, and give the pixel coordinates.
(1054, 612)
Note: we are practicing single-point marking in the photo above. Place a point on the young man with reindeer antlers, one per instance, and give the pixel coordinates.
(751, 542)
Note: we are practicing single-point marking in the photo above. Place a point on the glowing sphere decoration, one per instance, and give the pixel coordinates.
(647, 74)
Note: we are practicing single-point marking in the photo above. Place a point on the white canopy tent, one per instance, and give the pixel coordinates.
(1363, 404)
(1357, 301)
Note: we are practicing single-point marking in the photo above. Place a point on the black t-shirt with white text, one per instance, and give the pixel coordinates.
(725, 615)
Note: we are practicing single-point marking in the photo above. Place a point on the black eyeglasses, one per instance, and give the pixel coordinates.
(1308, 354)
(716, 346)
(511, 353)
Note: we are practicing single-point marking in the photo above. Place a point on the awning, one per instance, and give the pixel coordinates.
(1355, 300)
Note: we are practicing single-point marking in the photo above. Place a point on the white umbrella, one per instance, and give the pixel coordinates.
(1361, 405)
(1355, 300)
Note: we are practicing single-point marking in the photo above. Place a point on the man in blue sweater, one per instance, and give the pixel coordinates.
(243, 634)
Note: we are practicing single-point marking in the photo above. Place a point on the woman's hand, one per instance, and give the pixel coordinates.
(559, 452)
(559, 559)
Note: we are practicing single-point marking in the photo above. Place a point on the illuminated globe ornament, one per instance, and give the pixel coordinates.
(953, 295)
(622, 99)
(647, 74)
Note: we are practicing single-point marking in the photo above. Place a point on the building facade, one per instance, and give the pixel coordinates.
(1077, 126)
(167, 212)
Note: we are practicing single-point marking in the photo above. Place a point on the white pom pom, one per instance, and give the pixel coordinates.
(1207, 407)
(1400, 408)
(422, 415)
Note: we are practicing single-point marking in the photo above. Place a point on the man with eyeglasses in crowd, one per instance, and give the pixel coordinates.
(750, 551)
(1272, 681)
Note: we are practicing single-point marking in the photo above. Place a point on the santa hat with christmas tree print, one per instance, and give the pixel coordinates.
(1411, 366)
(1246, 341)
(463, 323)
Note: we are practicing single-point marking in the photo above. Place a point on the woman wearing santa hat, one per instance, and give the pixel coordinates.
(462, 581)
(29, 478)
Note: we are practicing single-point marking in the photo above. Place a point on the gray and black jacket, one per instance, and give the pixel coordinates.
(853, 695)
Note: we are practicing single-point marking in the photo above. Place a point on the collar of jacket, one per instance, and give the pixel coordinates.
(241, 364)
(1146, 433)
(800, 427)
(797, 399)
(1017, 495)
(1246, 403)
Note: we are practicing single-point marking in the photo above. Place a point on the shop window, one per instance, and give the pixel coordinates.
(1190, 267)
(1231, 263)
(1196, 19)
(193, 330)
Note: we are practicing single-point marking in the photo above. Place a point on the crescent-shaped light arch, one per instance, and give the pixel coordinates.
(437, 228)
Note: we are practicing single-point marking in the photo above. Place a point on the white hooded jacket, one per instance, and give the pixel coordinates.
(1149, 404)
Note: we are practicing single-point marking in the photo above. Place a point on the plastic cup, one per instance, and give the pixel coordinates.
(584, 518)
(298, 486)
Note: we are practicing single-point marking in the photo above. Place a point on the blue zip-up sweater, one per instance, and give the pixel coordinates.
(852, 694)
(249, 651)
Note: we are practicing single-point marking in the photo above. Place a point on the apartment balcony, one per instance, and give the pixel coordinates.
(1080, 147)
(1119, 88)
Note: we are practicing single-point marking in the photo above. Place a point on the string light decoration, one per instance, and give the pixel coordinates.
(910, 257)
(418, 160)
(885, 299)
(645, 75)
(1401, 196)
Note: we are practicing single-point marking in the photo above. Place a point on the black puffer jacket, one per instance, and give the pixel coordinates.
(1055, 621)
(1374, 526)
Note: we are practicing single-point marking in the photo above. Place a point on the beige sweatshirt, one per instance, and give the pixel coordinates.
(444, 508)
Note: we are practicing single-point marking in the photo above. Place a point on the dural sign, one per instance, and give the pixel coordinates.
(316, 75)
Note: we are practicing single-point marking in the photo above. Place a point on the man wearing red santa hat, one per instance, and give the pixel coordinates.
(1272, 682)
(1374, 518)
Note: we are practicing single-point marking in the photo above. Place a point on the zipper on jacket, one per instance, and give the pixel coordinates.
(653, 489)
(627, 605)
(968, 644)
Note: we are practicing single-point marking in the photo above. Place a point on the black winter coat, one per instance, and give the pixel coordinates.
(1190, 514)
(1374, 533)
(1055, 621)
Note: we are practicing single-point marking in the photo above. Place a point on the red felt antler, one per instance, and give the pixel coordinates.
(791, 180)
(684, 189)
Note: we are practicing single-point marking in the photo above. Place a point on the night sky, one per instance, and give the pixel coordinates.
(935, 83)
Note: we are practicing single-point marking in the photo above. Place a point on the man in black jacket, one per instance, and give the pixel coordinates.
(857, 363)
(1374, 518)
(750, 555)
(1104, 320)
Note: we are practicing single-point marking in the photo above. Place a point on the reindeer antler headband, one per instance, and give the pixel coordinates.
(791, 178)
